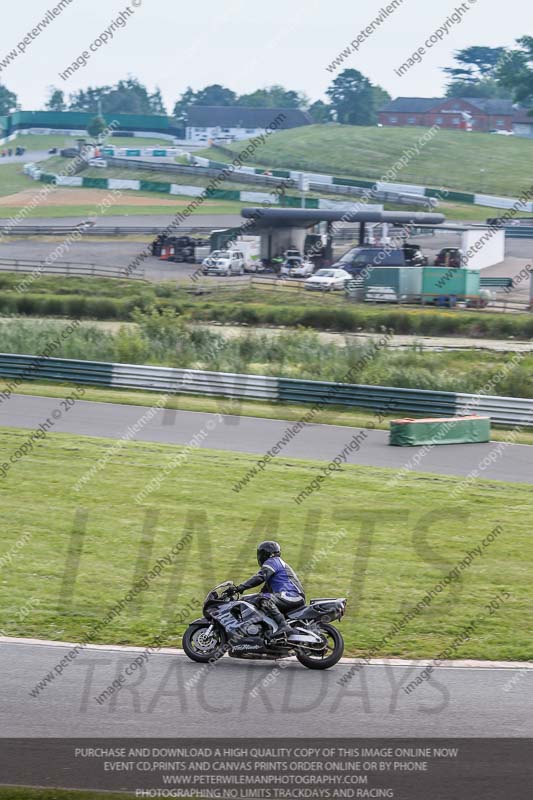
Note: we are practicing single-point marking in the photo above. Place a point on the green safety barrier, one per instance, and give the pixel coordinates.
(454, 430)
(21, 368)
(224, 194)
(95, 183)
(290, 202)
(350, 182)
(155, 186)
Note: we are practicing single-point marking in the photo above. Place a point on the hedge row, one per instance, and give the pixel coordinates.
(72, 306)
(402, 321)
(422, 322)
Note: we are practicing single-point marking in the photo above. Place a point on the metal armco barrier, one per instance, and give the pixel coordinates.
(134, 376)
(504, 410)
(68, 268)
(517, 232)
(196, 171)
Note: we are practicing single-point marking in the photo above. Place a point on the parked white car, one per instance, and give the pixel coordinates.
(224, 262)
(296, 267)
(328, 280)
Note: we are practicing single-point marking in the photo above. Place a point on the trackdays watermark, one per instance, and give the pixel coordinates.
(140, 661)
(105, 36)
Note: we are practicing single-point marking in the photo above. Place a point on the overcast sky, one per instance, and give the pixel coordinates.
(244, 44)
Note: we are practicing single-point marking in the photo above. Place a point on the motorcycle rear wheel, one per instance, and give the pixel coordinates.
(333, 654)
(202, 648)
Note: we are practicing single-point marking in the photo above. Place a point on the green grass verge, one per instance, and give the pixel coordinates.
(334, 415)
(85, 210)
(12, 180)
(390, 546)
(451, 159)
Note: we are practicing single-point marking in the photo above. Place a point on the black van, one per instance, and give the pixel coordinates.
(358, 258)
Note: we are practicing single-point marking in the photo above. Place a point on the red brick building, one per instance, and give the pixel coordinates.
(485, 115)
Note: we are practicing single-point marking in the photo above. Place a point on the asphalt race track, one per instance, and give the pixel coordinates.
(172, 697)
(512, 463)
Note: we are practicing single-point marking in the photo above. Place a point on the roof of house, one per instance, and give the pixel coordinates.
(421, 105)
(491, 105)
(410, 104)
(245, 117)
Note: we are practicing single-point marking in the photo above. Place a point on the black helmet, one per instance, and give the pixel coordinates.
(267, 549)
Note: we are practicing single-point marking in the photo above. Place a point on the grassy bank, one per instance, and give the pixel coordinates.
(451, 159)
(12, 180)
(162, 339)
(196, 497)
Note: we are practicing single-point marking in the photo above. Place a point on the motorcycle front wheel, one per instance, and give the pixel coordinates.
(204, 643)
(328, 657)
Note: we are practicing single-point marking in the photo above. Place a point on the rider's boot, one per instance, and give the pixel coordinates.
(283, 628)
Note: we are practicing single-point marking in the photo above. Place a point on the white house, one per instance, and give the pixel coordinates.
(235, 123)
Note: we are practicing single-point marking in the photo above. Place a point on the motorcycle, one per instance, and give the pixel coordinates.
(232, 624)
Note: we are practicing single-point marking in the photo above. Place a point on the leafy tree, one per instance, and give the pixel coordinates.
(476, 63)
(275, 96)
(352, 98)
(8, 100)
(515, 71)
(381, 97)
(96, 127)
(476, 73)
(181, 105)
(88, 99)
(320, 112)
(156, 102)
(485, 88)
(215, 95)
(127, 97)
(56, 100)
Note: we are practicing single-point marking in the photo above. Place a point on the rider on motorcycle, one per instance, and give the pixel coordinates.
(282, 590)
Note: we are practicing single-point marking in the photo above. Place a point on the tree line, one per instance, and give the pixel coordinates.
(352, 99)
